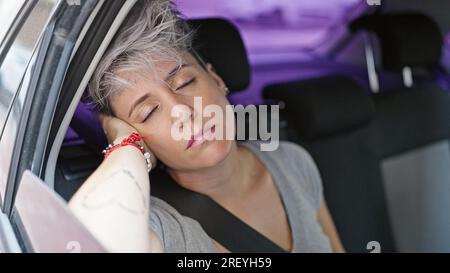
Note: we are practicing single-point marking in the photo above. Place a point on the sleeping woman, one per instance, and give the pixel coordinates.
(148, 70)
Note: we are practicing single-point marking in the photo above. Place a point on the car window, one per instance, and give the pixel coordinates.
(311, 22)
(12, 71)
(8, 12)
(13, 67)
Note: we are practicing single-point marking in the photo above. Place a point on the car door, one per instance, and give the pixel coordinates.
(46, 223)
(45, 44)
(22, 24)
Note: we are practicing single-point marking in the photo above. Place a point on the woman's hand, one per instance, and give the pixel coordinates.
(115, 129)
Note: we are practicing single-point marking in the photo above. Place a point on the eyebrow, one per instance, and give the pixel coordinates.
(169, 76)
(174, 71)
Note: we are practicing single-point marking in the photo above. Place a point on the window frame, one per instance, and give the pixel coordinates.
(92, 47)
(52, 55)
(5, 46)
(15, 28)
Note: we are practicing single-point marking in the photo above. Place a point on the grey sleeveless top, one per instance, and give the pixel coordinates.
(300, 187)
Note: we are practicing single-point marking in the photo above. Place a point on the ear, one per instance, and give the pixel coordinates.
(212, 72)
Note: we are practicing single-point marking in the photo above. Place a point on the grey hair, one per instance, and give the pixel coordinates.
(153, 31)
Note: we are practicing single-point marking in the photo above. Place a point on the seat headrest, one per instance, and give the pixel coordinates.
(406, 39)
(218, 42)
(323, 106)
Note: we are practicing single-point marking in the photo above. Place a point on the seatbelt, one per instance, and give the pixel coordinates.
(219, 223)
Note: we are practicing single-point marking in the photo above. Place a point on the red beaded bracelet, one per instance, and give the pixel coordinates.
(134, 137)
(113, 148)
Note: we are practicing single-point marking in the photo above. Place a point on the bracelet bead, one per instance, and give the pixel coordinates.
(130, 141)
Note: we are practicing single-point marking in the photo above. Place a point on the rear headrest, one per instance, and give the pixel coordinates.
(323, 106)
(408, 39)
(218, 42)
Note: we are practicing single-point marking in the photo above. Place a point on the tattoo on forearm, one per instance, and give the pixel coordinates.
(123, 191)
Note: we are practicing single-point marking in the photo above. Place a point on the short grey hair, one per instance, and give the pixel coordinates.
(153, 31)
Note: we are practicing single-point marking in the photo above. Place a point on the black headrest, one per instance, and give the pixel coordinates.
(413, 118)
(218, 42)
(323, 106)
(407, 39)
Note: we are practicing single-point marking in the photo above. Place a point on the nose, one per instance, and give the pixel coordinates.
(185, 116)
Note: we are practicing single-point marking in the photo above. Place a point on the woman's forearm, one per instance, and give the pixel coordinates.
(113, 203)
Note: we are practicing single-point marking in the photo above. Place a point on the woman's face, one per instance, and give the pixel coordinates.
(148, 103)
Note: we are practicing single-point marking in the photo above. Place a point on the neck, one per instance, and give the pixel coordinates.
(227, 180)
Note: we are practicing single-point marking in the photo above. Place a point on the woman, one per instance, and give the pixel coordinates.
(149, 70)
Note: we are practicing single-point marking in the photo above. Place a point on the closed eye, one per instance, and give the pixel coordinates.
(149, 114)
(185, 84)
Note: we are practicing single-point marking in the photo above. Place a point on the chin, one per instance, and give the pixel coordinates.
(212, 153)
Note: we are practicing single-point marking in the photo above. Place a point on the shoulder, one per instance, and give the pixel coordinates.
(178, 234)
(296, 165)
(303, 163)
(293, 153)
(282, 148)
(288, 154)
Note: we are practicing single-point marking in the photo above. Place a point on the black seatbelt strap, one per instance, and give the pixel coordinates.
(219, 223)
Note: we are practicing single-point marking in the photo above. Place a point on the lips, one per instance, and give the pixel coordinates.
(199, 138)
